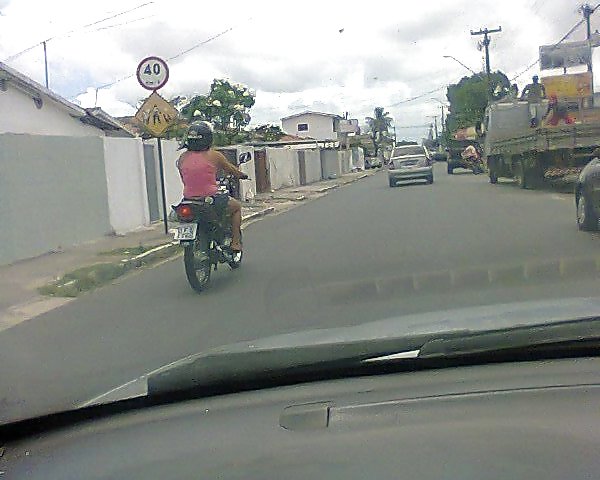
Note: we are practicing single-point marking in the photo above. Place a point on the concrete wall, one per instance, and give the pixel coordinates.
(51, 119)
(53, 194)
(126, 183)
(358, 158)
(312, 160)
(320, 127)
(331, 165)
(283, 167)
(345, 160)
(173, 184)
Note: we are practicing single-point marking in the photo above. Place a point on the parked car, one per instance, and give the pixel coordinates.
(587, 196)
(409, 163)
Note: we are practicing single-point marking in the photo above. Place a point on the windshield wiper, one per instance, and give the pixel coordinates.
(239, 369)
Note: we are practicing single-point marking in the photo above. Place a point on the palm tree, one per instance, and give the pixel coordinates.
(379, 125)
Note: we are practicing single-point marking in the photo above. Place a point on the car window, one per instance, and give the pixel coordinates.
(411, 150)
(177, 177)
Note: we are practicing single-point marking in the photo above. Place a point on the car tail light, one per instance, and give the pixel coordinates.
(185, 213)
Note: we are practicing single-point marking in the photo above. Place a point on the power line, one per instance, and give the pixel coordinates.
(180, 54)
(565, 36)
(417, 97)
(18, 54)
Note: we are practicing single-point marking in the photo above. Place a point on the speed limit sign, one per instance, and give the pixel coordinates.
(152, 73)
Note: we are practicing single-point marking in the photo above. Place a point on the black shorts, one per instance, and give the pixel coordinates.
(220, 201)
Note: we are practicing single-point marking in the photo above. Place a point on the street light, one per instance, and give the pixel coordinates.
(458, 61)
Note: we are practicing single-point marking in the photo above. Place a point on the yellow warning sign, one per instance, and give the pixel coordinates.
(156, 114)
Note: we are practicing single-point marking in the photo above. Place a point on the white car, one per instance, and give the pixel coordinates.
(409, 163)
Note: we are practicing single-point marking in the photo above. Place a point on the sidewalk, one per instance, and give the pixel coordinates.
(20, 281)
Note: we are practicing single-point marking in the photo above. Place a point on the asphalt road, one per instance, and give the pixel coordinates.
(364, 252)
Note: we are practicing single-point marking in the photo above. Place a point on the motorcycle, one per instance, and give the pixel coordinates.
(205, 234)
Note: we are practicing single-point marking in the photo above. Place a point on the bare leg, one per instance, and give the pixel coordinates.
(235, 209)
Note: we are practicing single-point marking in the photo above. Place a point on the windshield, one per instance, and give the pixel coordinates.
(401, 151)
(176, 177)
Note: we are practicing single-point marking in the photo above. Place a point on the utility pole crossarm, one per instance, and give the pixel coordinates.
(486, 43)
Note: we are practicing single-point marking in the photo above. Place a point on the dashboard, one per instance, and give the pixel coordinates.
(538, 419)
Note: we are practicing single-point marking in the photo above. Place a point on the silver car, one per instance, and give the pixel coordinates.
(409, 163)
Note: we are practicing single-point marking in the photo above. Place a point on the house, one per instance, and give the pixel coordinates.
(36, 110)
(315, 125)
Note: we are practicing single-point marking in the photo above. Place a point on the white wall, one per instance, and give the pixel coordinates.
(358, 158)
(61, 184)
(331, 165)
(320, 127)
(345, 160)
(283, 167)
(173, 184)
(20, 115)
(312, 160)
(126, 183)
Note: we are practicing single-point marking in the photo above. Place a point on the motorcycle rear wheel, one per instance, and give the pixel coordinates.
(196, 259)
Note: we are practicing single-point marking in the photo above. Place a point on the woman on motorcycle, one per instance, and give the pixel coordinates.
(198, 168)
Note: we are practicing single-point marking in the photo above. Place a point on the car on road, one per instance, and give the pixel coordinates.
(587, 196)
(409, 163)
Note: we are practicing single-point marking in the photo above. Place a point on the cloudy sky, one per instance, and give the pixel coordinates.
(332, 56)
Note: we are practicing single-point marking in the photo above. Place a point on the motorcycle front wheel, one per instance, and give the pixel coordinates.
(196, 259)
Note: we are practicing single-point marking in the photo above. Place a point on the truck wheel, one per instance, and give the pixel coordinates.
(587, 219)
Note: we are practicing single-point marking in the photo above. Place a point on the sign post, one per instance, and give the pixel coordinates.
(156, 114)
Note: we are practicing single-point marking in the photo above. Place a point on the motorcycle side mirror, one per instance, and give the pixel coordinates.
(244, 157)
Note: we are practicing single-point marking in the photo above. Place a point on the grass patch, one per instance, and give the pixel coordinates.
(126, 251)
(90, 277)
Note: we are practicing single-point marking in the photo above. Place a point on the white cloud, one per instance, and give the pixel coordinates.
(295, 58)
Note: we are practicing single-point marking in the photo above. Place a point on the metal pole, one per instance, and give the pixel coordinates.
(162, 186)
(46, 62)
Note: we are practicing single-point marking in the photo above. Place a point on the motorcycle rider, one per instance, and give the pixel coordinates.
(472, 155)
(198, 167)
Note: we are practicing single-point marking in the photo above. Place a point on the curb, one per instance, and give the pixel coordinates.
(260, 213)
(92, 276)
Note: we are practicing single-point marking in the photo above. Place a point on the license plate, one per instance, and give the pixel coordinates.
(186, 232)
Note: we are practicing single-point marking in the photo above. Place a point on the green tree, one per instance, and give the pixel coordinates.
(379, 126)
(227, 107)
(469, 99)
(267, 133)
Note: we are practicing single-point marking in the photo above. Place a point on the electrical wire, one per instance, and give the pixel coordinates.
(177, 55)
(565, 36)
(70, 32)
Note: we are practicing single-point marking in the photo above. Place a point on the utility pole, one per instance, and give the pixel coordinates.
(435, 125)
(587, 11)
(45, 62)
(486, 43)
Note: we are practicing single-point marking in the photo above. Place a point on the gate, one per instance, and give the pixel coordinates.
(302, 166)
(150, 162)
(261, 171)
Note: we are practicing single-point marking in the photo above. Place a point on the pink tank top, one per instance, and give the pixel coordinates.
(199, 175)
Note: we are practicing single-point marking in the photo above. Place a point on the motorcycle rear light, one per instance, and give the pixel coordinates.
(185, 213)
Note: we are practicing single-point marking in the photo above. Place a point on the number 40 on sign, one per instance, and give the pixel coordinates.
(152, 73)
